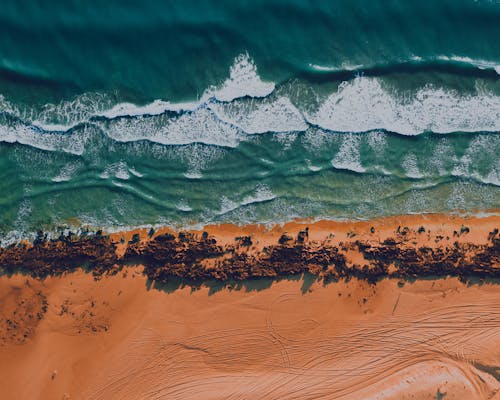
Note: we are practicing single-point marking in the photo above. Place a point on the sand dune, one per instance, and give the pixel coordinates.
(115, 339)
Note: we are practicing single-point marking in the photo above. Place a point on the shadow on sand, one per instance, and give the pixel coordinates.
(248, 285)
(307, 279)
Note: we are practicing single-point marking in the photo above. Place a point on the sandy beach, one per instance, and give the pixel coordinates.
(115, 339)
(398, 247)
(250, 200)
(435, 225)
(120, 335)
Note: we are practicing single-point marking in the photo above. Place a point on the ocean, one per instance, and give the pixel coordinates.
(119, 114)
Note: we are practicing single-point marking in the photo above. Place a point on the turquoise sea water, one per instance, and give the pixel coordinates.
(118, 114)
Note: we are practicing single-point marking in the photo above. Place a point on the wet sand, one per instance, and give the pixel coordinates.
(435, 225)
(121, 336)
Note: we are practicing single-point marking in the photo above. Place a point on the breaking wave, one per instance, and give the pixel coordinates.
(249, 151)
(243, 105)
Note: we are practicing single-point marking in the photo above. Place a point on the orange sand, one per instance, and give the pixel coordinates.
(72, 337)
(114, 339)
(439, 232)
(436, 224)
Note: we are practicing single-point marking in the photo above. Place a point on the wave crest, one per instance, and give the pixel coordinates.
(243, 105)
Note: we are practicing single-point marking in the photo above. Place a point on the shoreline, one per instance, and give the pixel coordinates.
(153, 326)
(403, 247)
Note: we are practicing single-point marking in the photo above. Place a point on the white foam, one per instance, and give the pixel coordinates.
(67, 172)
(493, 177)
(461, 168)
(27, 135)
(200, 126)
(481, 150)
(6, 106)
(136, 173)
(285, 139)
(225, 114)
(364, 105)
(118, 184)
(266, 161)
(227, 205)
(416, 202)
(157, 107)
(262, 193)
(25, 209)
(481, 64)
(117, 170)
(62, 116)
(410, 166)
(52, 127)
(478, 63)
(349, 156)
(315, 139)
(243, 81)
(183, 206)
(278, 115)
(343, 67)
(193, 174)
(198, 157)
(128, 109)
(378, 142)
(322, 68)
(443, 153)
(311, 167)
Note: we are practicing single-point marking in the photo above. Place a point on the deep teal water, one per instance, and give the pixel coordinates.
(119, 114)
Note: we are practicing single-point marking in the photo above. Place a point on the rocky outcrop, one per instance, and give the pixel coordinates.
(45, 257)
(197, 258)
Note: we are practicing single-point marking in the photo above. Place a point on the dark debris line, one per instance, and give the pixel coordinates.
(195, 259)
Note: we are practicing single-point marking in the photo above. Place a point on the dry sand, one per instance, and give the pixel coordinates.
(71, 337)
(114, 339)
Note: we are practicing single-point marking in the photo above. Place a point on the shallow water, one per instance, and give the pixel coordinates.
(193, 113)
